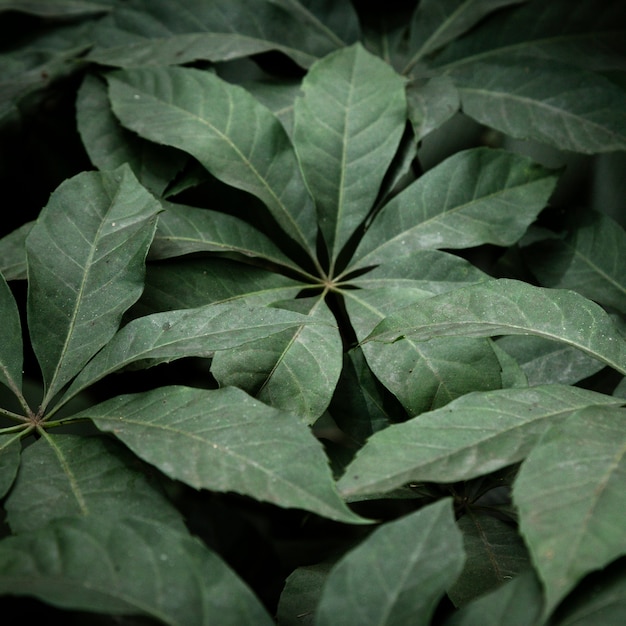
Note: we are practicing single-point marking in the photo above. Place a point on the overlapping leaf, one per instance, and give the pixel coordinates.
(13, 253)
(11, 353)
(10, 449)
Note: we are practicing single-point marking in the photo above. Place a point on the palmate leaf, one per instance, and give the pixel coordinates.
(126, 565)
(571, 498)
(474, 197)
(11, 351)
(231, 442)
(398, 574)
(475, 434)
(510, 307)
(349, 121)
(86, 255)
(235, 137)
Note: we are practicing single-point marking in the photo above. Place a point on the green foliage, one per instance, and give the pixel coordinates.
(311, 313)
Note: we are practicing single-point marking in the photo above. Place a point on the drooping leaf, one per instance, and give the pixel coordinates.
(164, 337)
(127, 567)
(571, 498)
(475, 434)
(349, 121)
(236, 138)
(510, 307)
(398, 574)
(11, 349)
(589, 259)
(65, 476)
(296, 370)
(86, 256)
(474, 197)
(13, 253)
(231, 442)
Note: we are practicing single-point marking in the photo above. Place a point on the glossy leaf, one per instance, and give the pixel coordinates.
(11, 350)
(474, 197)
(296, 370)
(510, 307)
(237, 139)
(475, 434)
(349, 120)
(398, 574)
(143, 568)
(587, 481)
(231, 442)
(86, 257)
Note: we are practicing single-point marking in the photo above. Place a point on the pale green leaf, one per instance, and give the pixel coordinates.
(398, 574)
(510, 307)
(475, 434)
(11, 350)
(127, 566)
(349, 121)
(13, 253)
(235, 137)
(86, 256)
(231, 442)
(571, 498)
(296, 370)
(474, 197)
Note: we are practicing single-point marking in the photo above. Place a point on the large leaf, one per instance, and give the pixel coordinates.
(11, 354)
(510, 307)
(236, 138)
(86, 257)
(589, 259)
(474, 197)
(127, 566)
(398, 574)
(296, 370)
(349, 122)
(571, 498)
(164, 337)
(475, 434)
(231, 442)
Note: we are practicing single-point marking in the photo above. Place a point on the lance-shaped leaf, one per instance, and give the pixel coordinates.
(185, 229)
(11, 354)
(571, 499)
(589, 259)
(68, 476)
(431, 103)
(549, 102)
(475, 434)
(13, 253)
(10, 450)
(164, 337)
(474, 197)
(143, 568)
(55, 8)
(232, 135)
(349, 121)
(296, 370)
(231, 442)
(398, 574)
(510, 307)
(86, 257)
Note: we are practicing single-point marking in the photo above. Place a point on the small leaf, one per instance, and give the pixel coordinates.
(571, 498)
(398, 574)
(475, 434)
(510, 307)
(11, 350)
(86, 256)
(231, 442)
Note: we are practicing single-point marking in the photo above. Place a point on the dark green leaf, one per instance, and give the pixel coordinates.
(431, 103)
(13, 253)
(55, 8)
(11, 350)
(10, 448)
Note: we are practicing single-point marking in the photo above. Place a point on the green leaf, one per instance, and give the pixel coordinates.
(398, 574)
(570, 109)
(55, 8)
(510, 307)
(11, 350)
(589, 259)
(474, 197)
(164, 337)
(143, 568)
(86, 256)
(349, 121)
(236, 138)
(231, 442)
(65, 476)
(475, 434)
(431, 103)
(13, 253)
(571, 499)
(495, 554)
(296, 370)
(10, 449)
